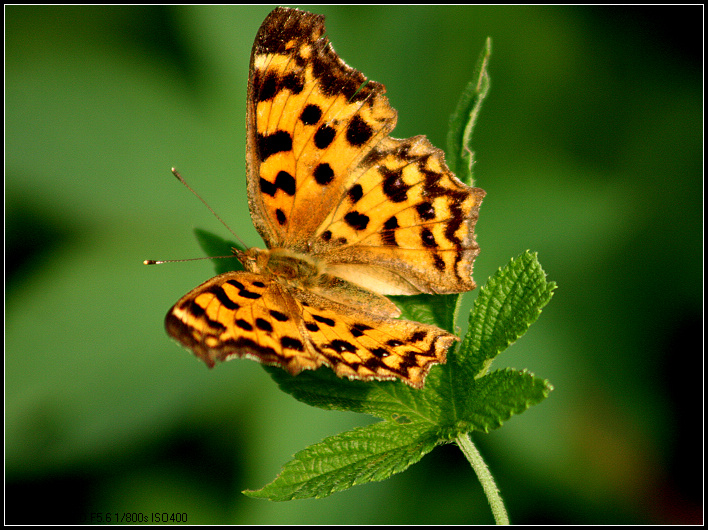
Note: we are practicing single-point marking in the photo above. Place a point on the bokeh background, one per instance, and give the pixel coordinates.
(590, 150)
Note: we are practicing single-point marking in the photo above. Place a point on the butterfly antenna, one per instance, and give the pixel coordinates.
(160, 262)
(179, 177)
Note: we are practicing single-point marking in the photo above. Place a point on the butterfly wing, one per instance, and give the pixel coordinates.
(326, 178)
(241, 314)
(311, 120)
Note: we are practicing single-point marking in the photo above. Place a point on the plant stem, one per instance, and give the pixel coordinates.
(485, 477)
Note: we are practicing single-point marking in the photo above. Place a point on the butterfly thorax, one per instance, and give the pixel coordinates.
(307, 274)
(291, 268)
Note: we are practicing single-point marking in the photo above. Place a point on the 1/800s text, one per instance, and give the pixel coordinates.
(137, 517)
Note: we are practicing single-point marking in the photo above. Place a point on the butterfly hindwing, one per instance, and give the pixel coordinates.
(241, 314)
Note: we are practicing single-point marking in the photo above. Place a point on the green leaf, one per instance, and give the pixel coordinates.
(389, 400)
(365, 454)
(498, 396)
(439, 310)
(460, 157)
(214, 245)
(504, 309)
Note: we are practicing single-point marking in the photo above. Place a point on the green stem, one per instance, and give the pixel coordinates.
(485, 477)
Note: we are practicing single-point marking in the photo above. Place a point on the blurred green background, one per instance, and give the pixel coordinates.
(590, 150)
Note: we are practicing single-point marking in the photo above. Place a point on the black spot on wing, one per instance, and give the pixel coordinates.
(381, 352)
(358, 131)
(323, 174)
(355, 193)
(270, 144)
(358, 330)
(277, 315)
(286, 182)
(425, 210)
(264, 325)
(388, 234)
(280, 216)
(324, 136)
(224, 299)
(393, 185)
(427, 238)
(294, 82)
(266, 86)
(418, 336)
(311, 114)
(323, 320)
(244, 325)
(243, 292)
(341, 346)
(283, 181)
(358, 221)
(292, 343)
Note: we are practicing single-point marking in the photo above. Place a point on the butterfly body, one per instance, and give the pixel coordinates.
(348, 215)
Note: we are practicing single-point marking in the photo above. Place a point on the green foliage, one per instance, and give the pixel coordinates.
(459, 397)
(213, 245)
(462, 121)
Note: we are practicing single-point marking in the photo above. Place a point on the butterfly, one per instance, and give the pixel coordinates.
(348, 215)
